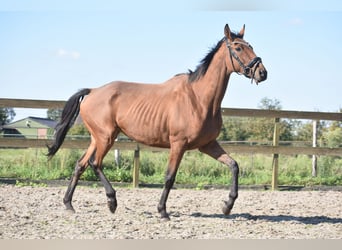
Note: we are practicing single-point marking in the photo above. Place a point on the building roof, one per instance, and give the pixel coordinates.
(43, 121)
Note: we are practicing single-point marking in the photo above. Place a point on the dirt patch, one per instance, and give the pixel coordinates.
(38, 213)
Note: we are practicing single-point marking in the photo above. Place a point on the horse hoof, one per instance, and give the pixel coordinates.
(112, 207)
(69, 208)
(70, 211)
(165, 218)
(226, 209)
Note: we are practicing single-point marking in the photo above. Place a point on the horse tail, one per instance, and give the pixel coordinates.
(69, 115)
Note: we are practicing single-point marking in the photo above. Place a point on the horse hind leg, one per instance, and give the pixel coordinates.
(79, 170)
(72, 186)
(80, 167)
(95, 162)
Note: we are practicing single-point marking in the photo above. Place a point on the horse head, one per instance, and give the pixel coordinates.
(241, 57)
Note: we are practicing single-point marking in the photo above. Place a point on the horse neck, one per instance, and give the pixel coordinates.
(211, 88)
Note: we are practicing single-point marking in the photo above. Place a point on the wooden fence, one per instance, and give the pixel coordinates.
(275, 149)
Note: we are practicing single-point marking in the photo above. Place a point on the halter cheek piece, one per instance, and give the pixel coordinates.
(246, 69)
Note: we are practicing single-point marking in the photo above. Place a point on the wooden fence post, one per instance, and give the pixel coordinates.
(275, 162)
(117, 155)
(136, 165)
(314, 144)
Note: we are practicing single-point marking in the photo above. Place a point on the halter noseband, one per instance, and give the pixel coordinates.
(246, 69)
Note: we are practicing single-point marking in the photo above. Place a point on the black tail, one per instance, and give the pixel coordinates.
(69, 115)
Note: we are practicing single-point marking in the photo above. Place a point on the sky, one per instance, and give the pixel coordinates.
(51, 49)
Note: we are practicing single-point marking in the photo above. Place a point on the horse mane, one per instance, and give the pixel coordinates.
(202, 68)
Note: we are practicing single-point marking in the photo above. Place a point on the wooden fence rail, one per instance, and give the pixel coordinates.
(7, 142)
(329, 116)
(275, 149)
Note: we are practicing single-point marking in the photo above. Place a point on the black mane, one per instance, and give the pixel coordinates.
(202, 68)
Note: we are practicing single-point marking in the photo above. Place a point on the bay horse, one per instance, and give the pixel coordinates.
(183, 113)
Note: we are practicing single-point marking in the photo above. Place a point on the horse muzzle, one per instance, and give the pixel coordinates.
(255, 70)
(258, 73)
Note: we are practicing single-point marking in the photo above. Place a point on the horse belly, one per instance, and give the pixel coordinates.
(148, 127)
(151, 136)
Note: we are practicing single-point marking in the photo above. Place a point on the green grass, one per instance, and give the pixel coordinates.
(196, 169)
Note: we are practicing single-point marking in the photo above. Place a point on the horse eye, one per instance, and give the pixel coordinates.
(238, 49)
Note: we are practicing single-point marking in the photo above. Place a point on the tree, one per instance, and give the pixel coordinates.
(270, 104)
(237, 128)
(223, 134)
(6, 115)
(78, 130)
(332, 135)
(234, 129)
(262, 128)
(304, 131)
(54, 114)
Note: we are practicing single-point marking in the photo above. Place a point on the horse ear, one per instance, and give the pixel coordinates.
(242, 31)
(227, 32)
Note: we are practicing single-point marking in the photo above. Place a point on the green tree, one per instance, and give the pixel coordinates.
(6, 115)
(237, 129)
(303, 131)
(223, 134)
(262, 128)
(234, 129)
(243, 129)
(78, 129)
(286, 129)
(332, 135)
(54, 114)
(270, 104)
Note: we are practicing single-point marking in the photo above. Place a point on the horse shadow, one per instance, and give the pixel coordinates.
(309, 220)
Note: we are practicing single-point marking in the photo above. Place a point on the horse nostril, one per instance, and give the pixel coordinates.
(263, 74)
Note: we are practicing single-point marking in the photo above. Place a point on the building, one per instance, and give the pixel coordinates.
(30, 128)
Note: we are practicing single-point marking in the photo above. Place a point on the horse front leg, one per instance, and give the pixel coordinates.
(214, 150)
(176, 154)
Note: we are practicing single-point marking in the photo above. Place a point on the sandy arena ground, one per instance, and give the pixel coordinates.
(38, 213)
